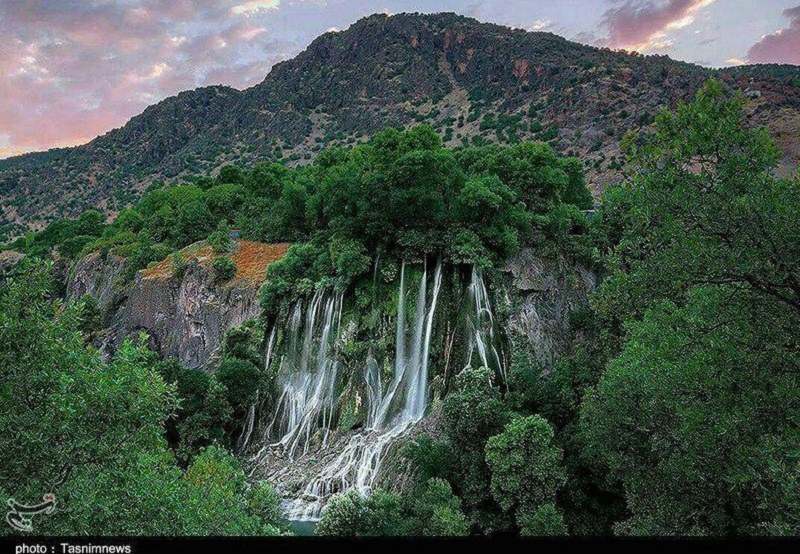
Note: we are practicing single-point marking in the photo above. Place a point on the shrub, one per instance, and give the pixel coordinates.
(224, 268)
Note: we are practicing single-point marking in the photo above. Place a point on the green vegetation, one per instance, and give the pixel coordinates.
(92, 433)
(430, 511)
(696, 417)
(224, 268)
(402, 194)
(675, 412)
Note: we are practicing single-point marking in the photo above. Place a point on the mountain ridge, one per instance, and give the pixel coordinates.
(466, 78)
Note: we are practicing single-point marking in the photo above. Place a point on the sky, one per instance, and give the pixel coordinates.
(71, 70)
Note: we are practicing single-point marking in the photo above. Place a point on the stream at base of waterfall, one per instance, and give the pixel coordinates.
(307, 377)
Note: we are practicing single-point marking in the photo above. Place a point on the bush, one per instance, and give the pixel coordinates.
(526, 470)
(224, 268)
(220, 240)
(179, 265)
(241, 379)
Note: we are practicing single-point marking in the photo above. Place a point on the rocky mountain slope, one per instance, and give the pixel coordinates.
(467, 79)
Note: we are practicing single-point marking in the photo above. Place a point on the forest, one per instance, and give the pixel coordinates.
(675, 412)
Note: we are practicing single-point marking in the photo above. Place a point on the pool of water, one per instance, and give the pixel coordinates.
(303, 528)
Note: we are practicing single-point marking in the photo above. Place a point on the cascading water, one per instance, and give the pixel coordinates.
(390, 415)
(307, 376)
(481, 333)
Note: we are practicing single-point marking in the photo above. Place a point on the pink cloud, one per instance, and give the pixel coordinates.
(782, 46)
(70, 71)
(645, 25)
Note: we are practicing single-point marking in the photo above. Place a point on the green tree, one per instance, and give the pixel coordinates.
(92, 433)
(224, 268)
(351, 514)
(203, 411)
(473, 413)
(230, 174)
(220, 240)
(527, 473)
(694, 416)
(241, 380)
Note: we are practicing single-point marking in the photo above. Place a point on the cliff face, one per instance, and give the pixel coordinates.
(544, 293)
(100, 277)
(186, 316)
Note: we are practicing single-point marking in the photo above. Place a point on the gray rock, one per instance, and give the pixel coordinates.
(98, 276)
(186, 318)
(544, 292)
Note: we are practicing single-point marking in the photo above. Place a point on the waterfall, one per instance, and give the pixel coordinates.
(481, 335)
(391, 415)
(307, 377)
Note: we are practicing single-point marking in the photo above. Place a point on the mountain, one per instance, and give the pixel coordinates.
(466, 78)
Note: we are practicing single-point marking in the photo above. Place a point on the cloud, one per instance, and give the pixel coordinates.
(782, 46)
(644, 25)
(540, 25)
(254, 6)
(735, 61)
(70, 71)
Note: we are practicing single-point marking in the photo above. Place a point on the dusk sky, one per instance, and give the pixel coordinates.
(74, 69)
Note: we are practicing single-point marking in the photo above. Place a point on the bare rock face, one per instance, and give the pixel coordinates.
(185, 317)
(100, 277)
(545, 291)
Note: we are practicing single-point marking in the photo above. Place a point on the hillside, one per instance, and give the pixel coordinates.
(468, 79)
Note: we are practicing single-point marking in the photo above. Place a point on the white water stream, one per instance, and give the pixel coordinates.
(307, 377)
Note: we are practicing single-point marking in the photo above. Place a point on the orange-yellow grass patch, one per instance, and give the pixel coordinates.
(251, 259)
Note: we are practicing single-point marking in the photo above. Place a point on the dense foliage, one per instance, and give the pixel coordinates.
(92, 433)
(696, 417)
(430, 511)
(676, 412)
(401, 195)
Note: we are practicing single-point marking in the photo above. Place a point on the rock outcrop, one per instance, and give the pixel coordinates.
(545, 292)
(101, 277)
(185, 315)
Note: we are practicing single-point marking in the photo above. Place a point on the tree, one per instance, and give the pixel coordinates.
(204, 412)
(220, 240)
(91, 433)
(703, 207)
(230, 174)
(431, 510)
(473, 413)
(351, 514)
(223, 201)
(241, 381)
(224, 269)
(434, 511)
(693, 417)
(527, 473)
